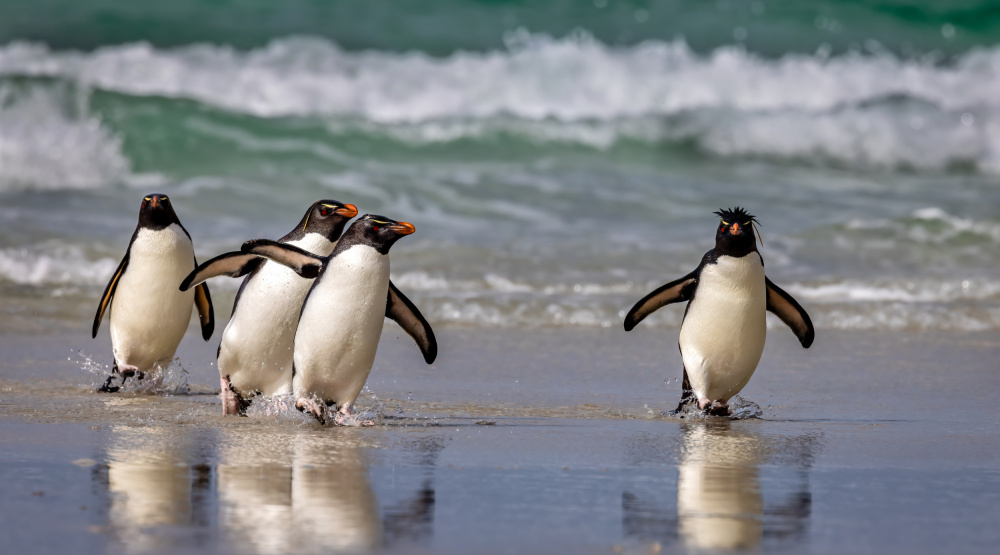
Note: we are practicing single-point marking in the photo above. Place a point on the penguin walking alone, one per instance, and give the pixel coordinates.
(255, 354)
(342, 316)
(722, 334)
(148, 314)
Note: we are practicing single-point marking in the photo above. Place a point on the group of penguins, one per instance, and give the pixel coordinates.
(309, 314)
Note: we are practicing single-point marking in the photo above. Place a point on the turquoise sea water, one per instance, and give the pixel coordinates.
(558, 159)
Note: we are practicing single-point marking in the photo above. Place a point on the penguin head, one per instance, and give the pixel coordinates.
(157, 212)
(735, 235)
(377, 231)
(326, 217)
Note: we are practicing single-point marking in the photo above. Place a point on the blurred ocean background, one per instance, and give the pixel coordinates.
(558, 158)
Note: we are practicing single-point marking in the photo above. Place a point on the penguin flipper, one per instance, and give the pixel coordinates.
(109, 292)
(302, 262)
(206, 315)
(790, 312)
(232, 264)
(402, 311)
(674, 292)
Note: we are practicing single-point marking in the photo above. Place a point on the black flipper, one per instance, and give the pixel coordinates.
(674, 292)
(399, 309)
(206, 315)
(232, 264)
(109, 292)
(791, 313)
(302, 262)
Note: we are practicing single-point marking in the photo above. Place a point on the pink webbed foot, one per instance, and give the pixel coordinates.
(313, 407)
(343, 417)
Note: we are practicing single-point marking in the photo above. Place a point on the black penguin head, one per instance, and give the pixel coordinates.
(735, 234)
(376, 231)
(156, 212)
(326, 217)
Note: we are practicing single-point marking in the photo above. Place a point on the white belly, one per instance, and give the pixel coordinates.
(257, 344)
(340, 327)
(723, 333)
(149, 315)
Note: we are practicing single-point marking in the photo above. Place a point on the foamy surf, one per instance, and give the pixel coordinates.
(865, 109)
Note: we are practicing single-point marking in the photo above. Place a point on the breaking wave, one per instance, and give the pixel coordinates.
(868, 110)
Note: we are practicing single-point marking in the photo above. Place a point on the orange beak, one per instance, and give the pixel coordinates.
(348, 211)
(154, 202)
(734, 229)
(403, 228)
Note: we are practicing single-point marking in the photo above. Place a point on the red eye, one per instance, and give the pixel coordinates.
(375, 228)
(323, 211)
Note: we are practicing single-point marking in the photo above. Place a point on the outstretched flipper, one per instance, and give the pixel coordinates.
(791, 313)
(674, 292)
(232, 264)
(302, 262)
(399, 309)
(109, 292)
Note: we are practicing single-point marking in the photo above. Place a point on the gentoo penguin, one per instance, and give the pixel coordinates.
(148, 314)
(255, 355)
(342, 316)
(722, 334)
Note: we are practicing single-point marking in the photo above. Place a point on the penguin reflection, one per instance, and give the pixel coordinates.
(307, 493)
(152, 485)
(720, 503)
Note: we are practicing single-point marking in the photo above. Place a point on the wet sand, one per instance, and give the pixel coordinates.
(517, 441)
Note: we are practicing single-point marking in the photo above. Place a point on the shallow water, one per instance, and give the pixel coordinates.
(519, 442)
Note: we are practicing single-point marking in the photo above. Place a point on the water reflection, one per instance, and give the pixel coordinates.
(152, 486)
(737, 489)
(306, 491)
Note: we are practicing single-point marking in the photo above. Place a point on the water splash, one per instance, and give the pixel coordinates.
(170, 379)
(368, 410)
(739, 409)
(742, 409)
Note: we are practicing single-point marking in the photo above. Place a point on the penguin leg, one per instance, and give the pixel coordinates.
(231, 401)
(717, 408)
(687, 394)
(107, 387)
(313, 407)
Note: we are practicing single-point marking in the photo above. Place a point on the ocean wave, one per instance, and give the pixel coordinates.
(860, 110)
(48, 142)
(536, 77)
(54, 264)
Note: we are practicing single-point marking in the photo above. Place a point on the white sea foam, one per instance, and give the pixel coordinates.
(54, 264)
(859, 109)
(44, 145)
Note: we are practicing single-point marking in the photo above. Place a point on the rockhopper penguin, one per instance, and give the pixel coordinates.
(722, 334)
(148, 314)
(255, 355)
(342, 316)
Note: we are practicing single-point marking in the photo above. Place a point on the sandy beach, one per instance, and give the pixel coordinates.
(518, 441)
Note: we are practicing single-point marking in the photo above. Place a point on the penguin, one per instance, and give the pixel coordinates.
(342, 316)
(255, 354)
(723, 330)
(148, 314)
